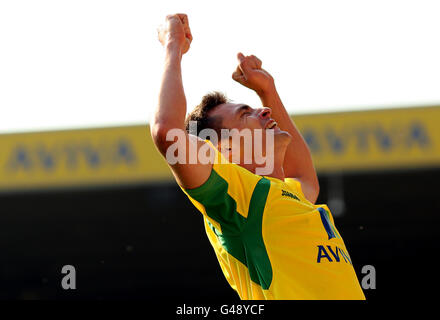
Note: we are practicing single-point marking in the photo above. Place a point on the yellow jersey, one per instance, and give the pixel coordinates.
(270, 241)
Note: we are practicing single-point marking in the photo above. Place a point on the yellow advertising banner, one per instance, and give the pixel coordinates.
(378, 139)
(367, 140)
(80, 157)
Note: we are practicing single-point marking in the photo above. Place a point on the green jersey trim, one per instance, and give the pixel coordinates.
(219, 205)
(241, 237)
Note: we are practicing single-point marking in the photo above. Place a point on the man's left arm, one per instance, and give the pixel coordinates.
(298, 162)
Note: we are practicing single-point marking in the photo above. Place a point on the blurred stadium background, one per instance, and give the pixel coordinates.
(104, 201)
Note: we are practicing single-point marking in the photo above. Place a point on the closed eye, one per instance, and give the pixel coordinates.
(244, 110)
(244, 114)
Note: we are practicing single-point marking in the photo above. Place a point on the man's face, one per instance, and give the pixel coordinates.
(240, 116)
(243, 117)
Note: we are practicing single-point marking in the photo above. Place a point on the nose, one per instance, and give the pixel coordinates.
(264, 113)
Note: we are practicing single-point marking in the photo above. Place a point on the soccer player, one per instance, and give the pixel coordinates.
(271, 240)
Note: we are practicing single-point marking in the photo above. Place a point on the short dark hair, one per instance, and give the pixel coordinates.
(200, 114)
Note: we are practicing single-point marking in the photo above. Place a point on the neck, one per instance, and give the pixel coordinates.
(267, 168)
(277, 171)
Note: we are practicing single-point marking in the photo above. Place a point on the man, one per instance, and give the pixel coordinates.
(271, 241)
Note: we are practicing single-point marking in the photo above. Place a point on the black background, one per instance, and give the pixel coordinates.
(148, 241)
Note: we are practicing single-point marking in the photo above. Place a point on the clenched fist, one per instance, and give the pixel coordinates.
(250, 74)
(176, 30)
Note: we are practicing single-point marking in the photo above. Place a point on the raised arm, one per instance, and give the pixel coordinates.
(167, 124)
(298, 162)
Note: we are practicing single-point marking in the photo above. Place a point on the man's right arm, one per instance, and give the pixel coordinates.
(170, 114)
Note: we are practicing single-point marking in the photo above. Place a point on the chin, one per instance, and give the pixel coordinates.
(282, 136)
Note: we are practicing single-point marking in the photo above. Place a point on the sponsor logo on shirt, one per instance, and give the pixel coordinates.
(289, 194)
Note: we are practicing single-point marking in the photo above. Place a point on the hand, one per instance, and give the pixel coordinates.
(176, 30)
(250, 74)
